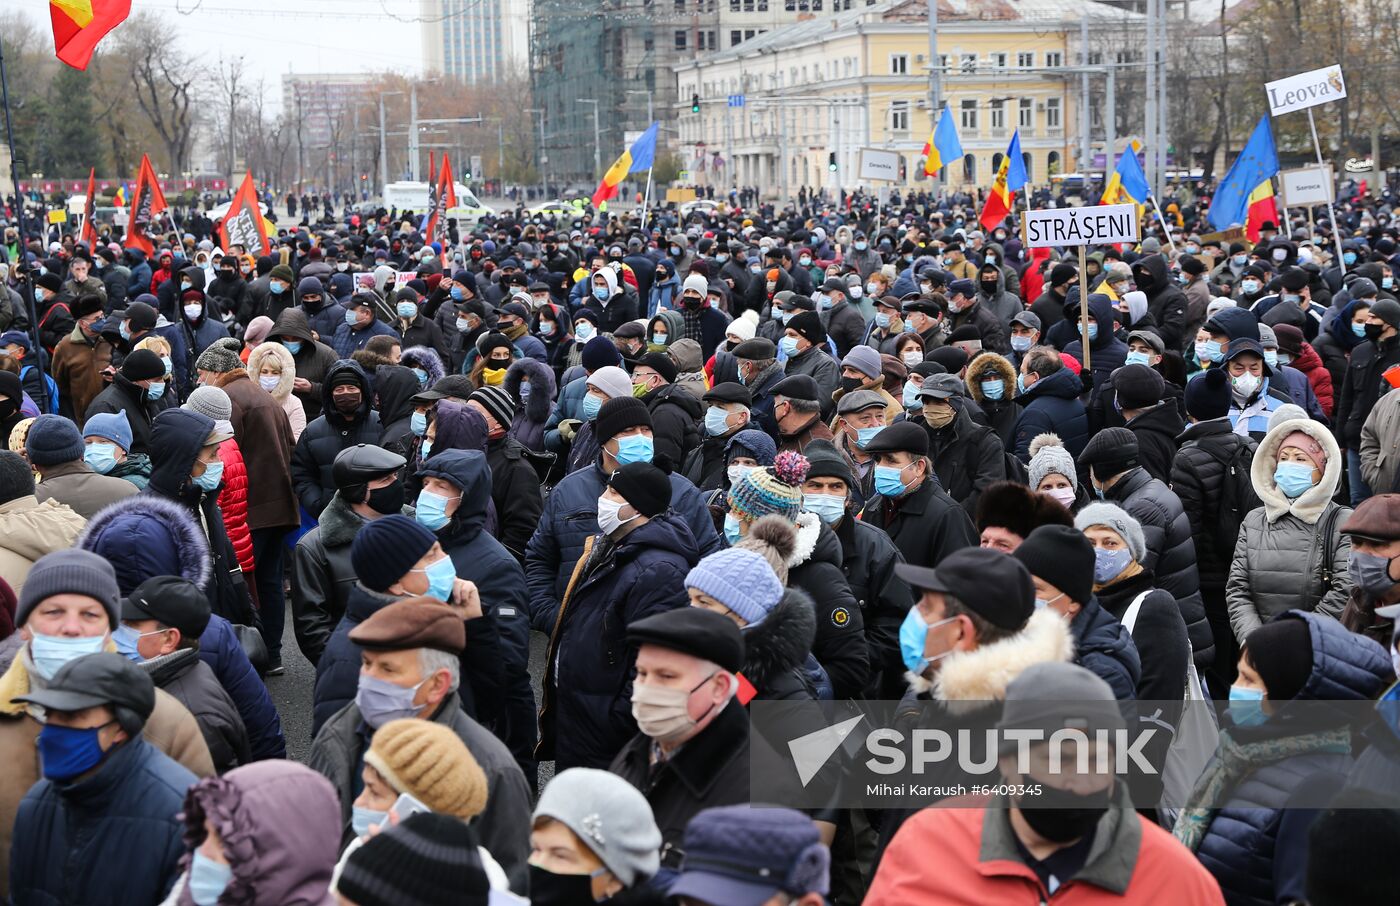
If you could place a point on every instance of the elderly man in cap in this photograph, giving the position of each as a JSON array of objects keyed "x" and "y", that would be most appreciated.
[
  {"x": 162, "y": 621},
  {"x": 138, "y": 389},
  {"x": 727, "y": 413},
  {"x": 624, "y": 430},
  {"x": 102, "y": 825},
  {"x": 81, "y": 358},
  {"x": 1374, "y": 528},
  {"x": 742, "y": 856},
  {"x": 860, "y": 417},
  {"x": 862, "y": 369},
  {"x": 967, "y": 456},
  {"x": 759, "y": 372},
  {"x": 909, "y": 505},
  {"x": 804, "y": 344},
  {"x": 925, "y": 313},
  {"x": 693, "y": 749},
  {"x": 797, "y": 410},
  {"x": 841, "y": 319},
  {"x": 1068, "y": 830},
  {"x": 409, "y": 660}
]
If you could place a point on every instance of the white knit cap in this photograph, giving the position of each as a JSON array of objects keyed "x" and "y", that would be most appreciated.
[
  {"x": 611, "y": 380},
  {"x": 697, "y": 283},
  {"x": 741, "y": 328}
]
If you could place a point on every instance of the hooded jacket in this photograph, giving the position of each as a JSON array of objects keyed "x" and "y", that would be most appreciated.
[
  {"x": 147, "y": 536},
  {"x": 1282, "y": 559},
  {"x": 330, "y": 433},
  {"x": 1165, "y": 299},
  {"x": 989, "y": 326},
  {"x": 396, "y": 385},
  {"x": 839, "y": 645},
  {"x": 586, "y": 708},
  {"x": 844, "y": 324},
  {"x": 1319, "y": 378},
  {"x": 1001, "y": 301},
  {"x": 282, "y": 393},
  {"x": 1107, "y": 353},
  {"x": 1001, "y": 414},
  {"x": 421, "y": 357},
  {"x": 663, "y": 294},
  {"x": 313, "y": 359},
  {"x": 531, "y": 384},
  {"x": 618, "y": 309},
  {"x": 675, "y": 415},
  {"x": 1051, "y": 406},
  {"x": 29, "y": 530},
  {"x": 123, "y": 396},
  {"x": 776, "y": 649},
  {"x": 1157, "y": 429},
  {"x": 967, "y": 456}
]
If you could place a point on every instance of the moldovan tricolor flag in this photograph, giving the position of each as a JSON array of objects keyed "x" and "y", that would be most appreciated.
[
  {"x": 79, "y": 24},
  {"x": 89, "y": 234},
  {"x": 243, "y": 224},
  {"x": 1011, "y": 176},
  {"x": 1247, "y": 183},
  {"x": 146, "y": 202},
  {"x": 943, "y": 146},
  {"x": 1263, "y": 208},
  {"x": 444, "y": 197},
  {"x": 638, "y": 157}
]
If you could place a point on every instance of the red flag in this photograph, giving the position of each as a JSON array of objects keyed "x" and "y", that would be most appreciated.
[
  {"x": 89, "y": 234},
  {"x": 146, "y": 202},
  {"x": 243, "y": 224},
  {"x": 444, "y": 196},
  {"x": 78, "y": 25}
]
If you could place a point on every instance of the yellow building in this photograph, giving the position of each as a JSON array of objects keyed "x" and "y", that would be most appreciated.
[{"x": 816, "y": 93}]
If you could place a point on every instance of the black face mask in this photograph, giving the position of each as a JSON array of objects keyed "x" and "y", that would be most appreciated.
[
  {"x": 989, "y": 286},
  {"x": 387, "y": 500},
  {"x": 850, "y": 384},
  {"x": 8, "y": 408},
  {"x": 550, "y": 889},
  {"x": 692, "y": 303},
  {"x": 1373, "y": 331},
  {"x": 1061, "y": 816}
]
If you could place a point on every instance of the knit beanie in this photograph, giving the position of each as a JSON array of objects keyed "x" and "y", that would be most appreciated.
[
  {"x": 751, "y": 442},
  {"x": 220, "y": 356},
  {"x": 1048, "y": 455},
  {"x": 612, "y": 380},
  {"x": 497, "y": 402},
  {"x": 53, "y": 439},
  {"x": 16, "y": 477},
  {"x": 282, "y": 272},
  {"x": 771, "y": 490},
  {"x": 1111, "y": 452},
  {"x": 387, "y": 548},
  {"x": 1138, "y": 386},
  {"x": 425, "y": 860},
  {"x": 142, "y": 365},
  {"x": 429, "y": 762},
  {"x": 825, "y": 461},
  {"x": 619, "y": 414},
  {"x": 740, "y": 327},
  {"x": 644, "y": 486},
  {"x": 1111, "y": 516},
  {"x": 741, "y": 580},
  {"x": 1208, "y": 395},
  {"x": 210, "y": 402},
  {"x": 70, "y": 572},
  {"x": 610, "y": 816},
  {"x": 1061, "y": 556},
  {"x": 598, "y": 353},
  {"x": 863, "y": 359},
  {"x": 113, "y": 426},
  {"x": 1280, "y": 651},
  {"x": 808, "y": 325}
]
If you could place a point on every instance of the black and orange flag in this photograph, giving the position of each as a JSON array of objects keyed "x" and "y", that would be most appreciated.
[
  {"x": 89, "y": 234},
  {"x": 443, "y": 197},
  {"x": 146, "y": 202},
  {"x": 243, "y": 224},
  {"x": 78, "y": 25}
]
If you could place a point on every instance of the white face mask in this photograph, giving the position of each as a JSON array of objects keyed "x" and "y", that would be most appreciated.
[
  {"x": 1064, "y": 495},
  {"x": 913, "y": 357},
  {"x": 608, "y": 519},
  {"x": 736, "y": 473},
  {"x": 662, "y": 713}
]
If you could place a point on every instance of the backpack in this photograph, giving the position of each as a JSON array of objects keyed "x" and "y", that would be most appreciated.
[
  {"x": 1237, "y": 497},
  {"x": 50, "y": 388}
]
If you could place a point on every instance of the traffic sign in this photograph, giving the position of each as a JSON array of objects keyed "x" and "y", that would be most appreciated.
[{"x": 736, "y": 100}]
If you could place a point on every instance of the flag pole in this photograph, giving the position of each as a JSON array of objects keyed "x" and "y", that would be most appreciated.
[
  {"x": 26, "y": 282},
  {"x": 646, "y": 200},
  {"x": 1163, "y": 221},
  {"x": 1331, "y": 194},
  {"x": 1084, "y": 307}
]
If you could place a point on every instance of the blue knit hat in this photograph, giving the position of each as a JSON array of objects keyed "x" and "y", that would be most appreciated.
[
  {"x": 53, "y": 439},
  {"x": 113, "y": 426},
  {"x": 740, "y": 580},
  {"x": 758, "y": 444},
  {"x": 386, "y": 549}
]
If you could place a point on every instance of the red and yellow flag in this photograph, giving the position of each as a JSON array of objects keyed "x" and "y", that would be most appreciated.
[
  {"x": 1011, "y": 177},
  {"x": 243, "y": 224},
  {"x": 89, "y": 233},
  {"x": 444, "y": 196},
  {"x": 146, "y": 201},
  {"x": 1263, "y": 208},
  {"x": 78, "y": 25}
]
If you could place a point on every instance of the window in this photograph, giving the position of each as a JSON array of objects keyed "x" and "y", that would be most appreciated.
[
  {"x": 749, "y": 33},
  {"x": 1025, "y": 60},
  {"x": 1054, "y": 59},
  {"x": 999, "y": 115},
  {"x": 648, "y": 43},
  {"x": 998, "y": 61},
  {"x": 680, "y": 6},
  {"x": 1052, "y": 113},
  {"x": 1095, "y": 116},
  {"x": 1025, "y": 115},
  {"x": 969, "y": 115},
  {"x": 899, "y": 116},
  {"x": 763, "y": 6},
  {"x": 711, "y": 39},
  {"x": 748, "y": 6},
  {"x": 1126, "y": 56},
  {"x": 968, "y": 62},
  {"x": 680, "y": 39},
  {"x": 1096, "y": 58},
  {"x": 899, "y": 63},
  {"x": 733, "y": 6},
  {"x": 735, "y": 36}
]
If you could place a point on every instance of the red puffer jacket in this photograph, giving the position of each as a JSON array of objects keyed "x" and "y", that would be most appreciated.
[
  {"x": 1310, "y": 363},
  {"x": 233, "y": 502}
]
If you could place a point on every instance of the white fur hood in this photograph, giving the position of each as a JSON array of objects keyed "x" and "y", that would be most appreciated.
[
  {"x": 984, "y": 673},
  {"x": 1311, "y": 503}
]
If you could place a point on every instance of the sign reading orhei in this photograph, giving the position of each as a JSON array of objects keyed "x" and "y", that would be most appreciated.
[{"x": 1104, "y": 224}]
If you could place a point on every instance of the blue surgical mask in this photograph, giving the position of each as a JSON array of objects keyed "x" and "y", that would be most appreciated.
[
  {"x": 425, "y": 449},
  {"x": 889, "y": 481},
  {"x": 865, "y": 435},
  {"x": 213, "y": 474},
  {"x": 715, "y": 423},
  {"x": 805, "y": 261},
  {"x": 1271, "y": 358},
  {"x": 156, "y": 390},
  {"x": 1293, "y": 478},
  {"x": 1240, "y": 260},
  {"x": 828, "y": 507},
  {"x": 456, "y": 293},
  {"x": 1135, "y": 358},
  {"x": 406, "y": 310},
  {"x": 1020, "y": 384},
  {"x": 208, "y": 879},
  {"x": 1358, "y": 329},
  {"x": 66, "y": 752},
  {"x": 1249, "y": 287},
  {"x": 1387, "y": 282},
  {"x": 882, "y": 320},
  {"x": 101, "y": 458},
  {"x": 442, "y": 575},
  {"x": 351, "y": 317},
  {"x": 908, "y": 326},
  {"x": 788, "y": 345},
  {"x": 659, "y": 339},
  {"x": 731, "y": 529},
  {"x": 994, "y": 390},
  {"x": 590, "y": 406},
  {"x": 431, "y": 510},
  {"x": 361, "y": 818},
  {"x": 126, "y": 638},
  {"x": 418, "y": 423},
  {"x": 381, "y": 701},
  {"x": 910, "y": 397},
  {"x": 1093, "y": 331},
  {"x": 1247, "y": 706},
  {"x": 546, "y": 328},
  {"x": 293, "y": 346},
  {"x": 1208, "y": 351},
  {"x": 583, "y": 331},
  {"x": 913, "y": 639},
  {"x": 862, "y": 246},
  {"x": 601, "y": 293},
  {"x": 1349, "y": 258},
  {"x": 633, "y": 448},
  {"x": 276, "y": 287},
  {"x": 122, "y": 329},
  {"x": 50, "y": 652},
  {"x": 1020, "y": 344},
  {"x": 421, "y": 375},
  {"x": 1108, "y": 565},
  {"x": 168, "y": 363}
]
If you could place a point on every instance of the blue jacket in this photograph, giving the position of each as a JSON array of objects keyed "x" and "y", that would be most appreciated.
[
  {"x": 1107, "y": 353},
  {"x": 531, "y": 347},
  {"x": 663, "y": 295},
  {"x": 1252, "y": 845},
  {"x": 570, "y": 517},
  {"x": 1299, "y": 389},
  {"x": 347, "y": 340},
  {"x": 219, "y": 648},
  {"x": 587, "y": 713},
  {"x": 1104, "y": 646},
  {"x": 114, "y": 837},
  {"x": 1052, "y": 405}
]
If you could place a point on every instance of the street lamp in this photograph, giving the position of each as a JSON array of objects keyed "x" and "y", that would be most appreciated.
[
  {"x": 597, "y": 147},
  {"x": 540, "y": 157}
]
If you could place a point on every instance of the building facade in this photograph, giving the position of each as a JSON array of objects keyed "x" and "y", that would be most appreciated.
[
  {"x": 476, "y": 41},
  {"x": 817, "y": 92}
]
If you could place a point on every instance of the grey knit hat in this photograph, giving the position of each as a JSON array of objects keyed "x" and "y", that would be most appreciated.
[
  {"x": 1114, "y": 517},
  {"x": 53, "y": 439},
  {"x": 610, "y": 816},
  {"x": 221, "y": 356},
  {"x": 1048, "y": 454},
  {"x": 210, "y": 402},
  {"x": 70, "y": 571},
  {"x": 16, "y": 477}
]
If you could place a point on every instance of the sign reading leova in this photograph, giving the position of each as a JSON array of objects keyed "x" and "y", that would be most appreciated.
[
  {"x": 1306, "y": 89},
  {"x": 1104, "y": 224}
]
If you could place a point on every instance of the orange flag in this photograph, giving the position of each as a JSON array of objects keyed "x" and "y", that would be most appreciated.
[
  {"x": 243, "y": 224},
  {"x": 78, "y": 25},
  {"x": 89, "y": 234},
  {"x": 146, "y": 202},
  {"x": 444, "y": 197}
]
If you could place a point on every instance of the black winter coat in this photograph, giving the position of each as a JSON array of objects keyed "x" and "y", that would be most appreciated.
[
  {"x": 193, "y": 683},
  {"x": 1363, "y": 385},
  {"x": 966, "y": 457},
  {"x": 705, "y": 465},
  {"x": 868, "y": 559},
  {"x": 1156, "y": 430},
  {"x": 123, "y": 396},
  {"x": 323, "y": 439},
  {"x": 1102, "y": 646},
  {"x": 675, "y": 414},
  {"x": 586, "y": 712},
  {"x": 515, "y": 489},
  {"x": 1166, "y": 301},
  {"x": 322, "y": 576},
  {"x": 1052, "y": 406},
  {"x": 925, "y": 524},
  {"x": 840, "y": 646}
]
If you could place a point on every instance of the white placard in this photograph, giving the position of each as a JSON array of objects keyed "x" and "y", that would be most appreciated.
[
  {"x": 1104, "y": 224},
  {"x": 877, "y": 164},
  {"x": 1306, "y": 186},
  {"x": 1306, "y": 89}
]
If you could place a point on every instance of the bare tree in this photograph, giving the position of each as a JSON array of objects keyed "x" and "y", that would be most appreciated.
[
  {"x": 162, "y": 79},
  {"x": 231, "y": 75}
]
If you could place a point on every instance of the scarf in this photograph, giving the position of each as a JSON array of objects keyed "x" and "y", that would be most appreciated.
[
  {"x": 515, "y": 332},
  {"x": 1232, "y": 762},
  {"x": 692, "y": 323}
]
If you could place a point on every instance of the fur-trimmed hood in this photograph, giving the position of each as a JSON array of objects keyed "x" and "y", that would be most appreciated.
[
  {"x": 782, "y": 641},
  {"x": 981, "y": 363},
  {"x": 278, "y": 353},
  {"x": 540, "y": 399},
  {"x": 813, "y": 543},
  {"x": 1311, "y": 504},
  {"x": 984, "y": 673},
  {"x": 426, "y": 359},
  {"x": 145, "y": 536}
]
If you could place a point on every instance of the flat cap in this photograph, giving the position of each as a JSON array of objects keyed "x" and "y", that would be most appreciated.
[
  {"x": 728, "y": 392},
  {"x": 759, "y": 349},
  {"x": 798, "y": 387},
  {"x": 941, "y": 387},
  {"x": 858, "y": 401},
  {"x": 105, "y": 678},
  {"x": 903, "y": 437},
  {"x": 362, "y": 463},
  {"x": 1151, "y": 338},
  {"x": 1376, "y": 519},
  {"x": 412, "y": 623},
  {"x": 691, "y": 630},
  {"x": 995, "y": 586},
  {"x": 925, "y": 305}
]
